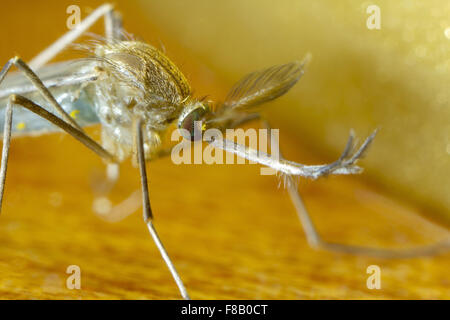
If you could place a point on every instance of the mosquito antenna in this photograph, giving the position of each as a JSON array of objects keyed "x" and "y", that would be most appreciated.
[
  {"x": 148, "y": 215},
  {"x": 341, "y": 166}
]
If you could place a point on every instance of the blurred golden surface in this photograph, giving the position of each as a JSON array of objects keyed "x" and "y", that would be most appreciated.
[{"x": 230, "y": 231}]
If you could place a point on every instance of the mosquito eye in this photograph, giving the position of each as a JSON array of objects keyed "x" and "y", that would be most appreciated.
[{"x": 192, "y": 123}]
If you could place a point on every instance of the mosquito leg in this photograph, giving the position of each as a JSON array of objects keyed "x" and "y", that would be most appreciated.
[
  {"x": 74, "y": 132},
  {"x": 104, "y": 208},
  {"x": 316, "y": 241},
  {"x": 23, "y": 67},
  {"x": 17, "y": 100},
  {"x": 148, "y": 215},
  {"x": 5, "y": 149},
  {"x": 102, "y": 205},
  {"x": 112, "y": 23}
]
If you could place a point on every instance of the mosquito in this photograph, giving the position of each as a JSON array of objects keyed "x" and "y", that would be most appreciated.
[{"x": 137, "y": 94}]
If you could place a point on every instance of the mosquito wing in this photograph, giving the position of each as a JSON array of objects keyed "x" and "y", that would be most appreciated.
[
  {"x": 263, "y": 86},
  {"x": 67, "y": 81}
]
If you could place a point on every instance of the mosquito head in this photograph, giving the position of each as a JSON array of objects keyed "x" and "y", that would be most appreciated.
[{"x": 192, "y": 120}]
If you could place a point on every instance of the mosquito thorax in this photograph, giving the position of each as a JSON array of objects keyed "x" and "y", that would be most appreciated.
[
  {"x": 191, "y": 120},
  {"x": 144, "y": 69}
]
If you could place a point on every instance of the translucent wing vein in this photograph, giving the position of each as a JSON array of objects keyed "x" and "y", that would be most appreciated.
[{"x": 265, "y": 85}]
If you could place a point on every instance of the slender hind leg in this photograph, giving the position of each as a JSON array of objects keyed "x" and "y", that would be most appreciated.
[
  {"x": 316, "y": 241},
  {"x": 17, "y": 100},
  {"x": 148, "y": 215},
  {"x": 113, "y": 30}
]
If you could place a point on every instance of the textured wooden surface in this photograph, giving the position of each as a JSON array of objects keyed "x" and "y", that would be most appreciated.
[{"x": 231, "y": 232}]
